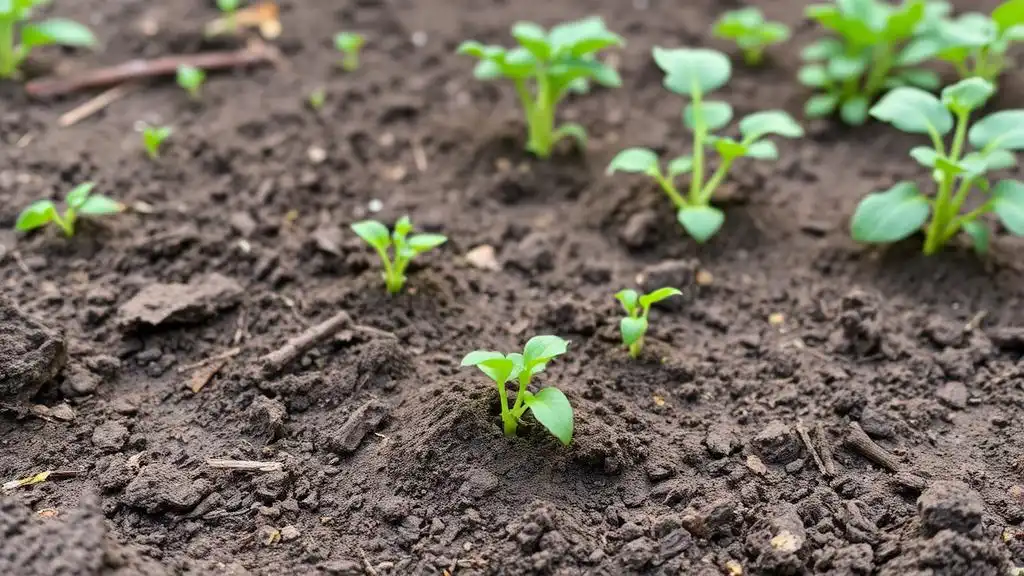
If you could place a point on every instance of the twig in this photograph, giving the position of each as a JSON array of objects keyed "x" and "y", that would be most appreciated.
[
  {"x": 976, "y": 321},
  {"x": 366, "y": 562},
  {"x": 826, "y": 451},
  {"x": 299, "y": 345},
  {"x": 202, "y": 376},
  {"x": 866, "y": 447},
  {"x": 810, "y": 447},
  {"x": 244, "y": 465},
  {"x": 222, "y": 356},
  {"x": 94, "y": 105}
]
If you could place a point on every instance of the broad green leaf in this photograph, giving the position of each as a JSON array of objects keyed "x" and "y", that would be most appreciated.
[
  {"x": 1013, "y": 33},
  {"x": 813, "y": 75},
  {"x": 517, "y": 362},
  {"x": 902, "y": 22},
  {"x": 487, "y": 70},
  {"x": 1008, "y": 197},
  {"x": 994, "y": 160},
  {"x": 821, "y": 105},
  {"x": 762, "y": 150},
  {"x": 739, "y": 23},
  {"x": 402, "y": 227},
  {"x": 493, "y": 364},
  {"x": 687, "y": 69},
  {"x": 1003, "y": 130},
  {"x": 76, "y": 197},
  {"x": 729, "y": 148},
  {"x": 917, "y": 51},
  {"x": 924, "y": 79},
  {"x": 715, "y": 115},
  {"x": 854, "y": 111},
  {"x": 774, "y": 32},
  {"x": 845, "y": 67},
  {"x": 552, "y": 409},
  {"x": 477, "y": 356},
  {"x": 883, "y": 217},
  {"x": 38, "y": 213},
  {"x": 828, "y": 15},
  {"x": 979, "y": 235},
  {"x": 99, "y": 205},
  {"x": 822, "y": 49},
  {"x": 1009, "y": 14},
  {"x": 374, "y": 233},
  {"x": 543, "y": 349},
  {"x": 971, "y": 30},
  {"x": 582, "y": 37},
  {"x": 533, "y": 38},
  {"x": 632, "y": 329},
  {"x": 518, "y": 63},
  {"x": 348, "y": 42},
  {"x": 947, "y": 166},
  {"x": 423, "y": 242},
  {"x": 924, "y": 155},
  {"x": 968, "y": 94},
  {"x": 759, "y": 124},
  {"x": 628, "y": 298},
  {"x": 637, "y": 160},
  {"x": 574, "y": 131},
  {"x": 680, "y": 165},
  {"x": 56, "y": 31},
  {"x": 913, "y": 110},
  {"x": 658, "y": 295},
  {"x": 701, "y": 222},
  {"x": 472, "y": 48}
]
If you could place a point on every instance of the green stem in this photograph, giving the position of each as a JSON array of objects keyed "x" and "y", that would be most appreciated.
[
  {"x": 715, "y": 181},
  {"x": 8, "y": 59},
  {"x": 942, "y": 215},
  {"x": 881, "y": 65},
  {"x": 508, "y": 422},
  {"x": 699, "y": 133},
  {"x": 389, "y": 275},
  {"x": 67, "y": 223},
  {"x": 969, "y": 217},
  {"x": 753, "y": 56},
  {"x": 636, "y": 347},
  {"x": 671, "y": 191},
  {"x": 542, "y": 119}
]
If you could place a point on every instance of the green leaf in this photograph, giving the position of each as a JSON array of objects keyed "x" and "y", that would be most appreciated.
[
  {"x": 813, "y": 75},
  {"x": 924, "y": 155},
  {"x": 1008, "y": 198},
  {"x": 924, "y": 79},
  {"x": 478, "y": 50},
  {"x": 993, "y": 160},
  {"x": 729, "y": 148},
  {"x": 762, "y": 150},
  {"x": 854, "y": 111},
  {"x": 374, "y": 233},
  {"x": 947, "y": 166},
  {"x": 821, "y": 105},
  {"x": 845, "y": 67},
  {"x": 422, "y": 242},
  {"x": 1003, "y": 130},
  {"x": 1009, "y": 14},
  {"x": 636, "y": 160},
  {"x": 518, "y": 63},
  {"x": 774, "y": 32},
  {"x": 76, "y": 197},
  {"x": 883, "y": 217},
  {"x": 493, "y": 364},
  {"x": 477, "y": 356},
  {"x": 628, "y": 298},
  {"x": 687, "y": 69},
  {"x": 917, "y": 51},
  {"x": 715, "y": 114},
  {"x": 56, "y": 31},
  {"x": 533, "y": 38},
  {"x": 701, "y": 222},
  {"x": 757, "y": 125},
  {"x": 970, "y": 31},
  {"x": 582, "y": 37},
  {"x": 739, "y": 23},
  {"x": 968, "y": 94},
  {"x": 543, "y": 349},
  {"x": 99, "y": 205},
  {"x": 348, "y": 42},
  {"x": 913, "y": 110},
  {"x": 487, "y": 70},
  {"x": 574, "y": 131},
  {"x": 38, "y": 213},
  {"x": 680, "y": 165},
  {"x": 658, "y": 295},
  {"x": 979, "y": 235},
  {"x": 902, "y": 23},
  {"x": 822, "y": 49},
  {"x": 552, "y": 409},
  {"x": 632, "y": 329}
]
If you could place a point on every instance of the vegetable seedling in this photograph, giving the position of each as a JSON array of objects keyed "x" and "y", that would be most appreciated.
[
  {"x": 695, "y": 72},
  {"x": 545, "y": 67},
  {"x": 405, "y": 247},
  {"x": 80, "y": 201},
  {"x": 976, "y": 44},
  {"x": 899, "y": 212},
  {"x": 634, "y": 326},
  {"x": 16, "y": 46},
  {"x": 191, "y": 80},
  {"x": 751, "y": 32},
  {"x": 153, "y": 138},
  {"x": 549, "y": 405},
  {"x": 317, "y": 98},
  {"x": 229, "y": 8},
  {"x": 876, "y": 47},
  {"x": 350, "y": 45}
]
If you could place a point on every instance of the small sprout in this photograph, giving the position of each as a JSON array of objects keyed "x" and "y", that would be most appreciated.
[
  {"x": 153, "y": 138},
  {"x": 191, "y": 80},
  {"x": 14, "y": 25},
  {"x": 229, "y": 8},
  {"x": 901, "y": 211},
  {"x": 545, "y": 68},
  {"x": 405, "y": 247},
  {"x": 80, "y": 201},
  {"x": 748, "y": 28},
  {"x": 349, "y": 44},
  {"x": 695, "y": 72},
  {"x": 549, "y": 405},
  {"x": 317, "y": 98},
  {"x": 634, "y": 325},
  {"x": 976, "y": 44}
]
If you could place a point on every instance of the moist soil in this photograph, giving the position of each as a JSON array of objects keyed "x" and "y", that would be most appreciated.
[{"x": 392, "y": 461}]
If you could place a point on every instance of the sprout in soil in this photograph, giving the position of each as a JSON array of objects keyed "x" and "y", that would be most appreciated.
[
  {"x": 549, "y": 405},
  {"x": 229, "y": 8},
  {"x": 317, "y": 98},
  {"x": 752, "y": 34},
  {"x": 405, "y": 247},
  {"x": 153, "y": 138},
  {"x": 695, "y": 72},
  {"x": 349, "y": 44},
  {"x": 191, "y": 80},
  {"x": 899, "y": 212},
  {"x": 545, "y": 68},
  {"x": 18, "y": 36},
  {"x": 80, "y": 201},
  {"x": 634, "y": 325},
  {"x": 876, "y": 47},
  {"x": 976, "y": 44}
]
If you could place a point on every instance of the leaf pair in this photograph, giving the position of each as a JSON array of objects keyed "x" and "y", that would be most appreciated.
[
  {"x": 634, "y": 326},
  {"x": 405, "y": 247},
  {"x": 55, "y": 31},
  {"x": 751, "y": 32},
  {"x": 153, "y": 138},
  {"x": 350, "y": 44},
  {"x": 191, "y": 80},
  {"x": 976, "y": 44},
  {"x": 80, "y": 201}
]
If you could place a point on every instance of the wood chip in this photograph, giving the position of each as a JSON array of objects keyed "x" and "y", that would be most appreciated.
[{"x": 244, "y": 465}]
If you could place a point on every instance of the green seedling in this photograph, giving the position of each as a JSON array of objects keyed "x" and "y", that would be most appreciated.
[
  {"x": 695, "y": 72},
  {"x": 153, "y": 138},
  {"x": 751, "y": 32},
  {"x": 901, "y": 211},
  {"x": 877, "y": 47},
  {"x": 229, "y": 8},
  {"x": 18, "y": 36},
  {"x": 350, "y": 45},
  {"x": 549, "y": 405},
  {"x": 545, "y": 68},
  {"x": 976, "y": 44},
  {"x": 80, "y": 201},
  {"x": 634, "y": 325},
  {"x": 191, "y": 80},
  {"x": 317, "y": 98},
  {"x": 405, "y": 247}
]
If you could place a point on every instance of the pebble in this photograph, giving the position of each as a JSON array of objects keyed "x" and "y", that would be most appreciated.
[
  {"x": 109, "y": 436},
  {"x": 953, "y": 394}
]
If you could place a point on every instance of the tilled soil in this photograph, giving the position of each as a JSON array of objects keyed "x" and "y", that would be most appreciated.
[{"x": 691, "y": 460}]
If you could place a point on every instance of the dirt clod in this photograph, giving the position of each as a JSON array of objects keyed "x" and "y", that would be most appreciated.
[
  {"x": 159, "y": 305},
  {"x": 366, "y": 419},
  {"x": 949, "y": 505},
  {"x": 776, "y": 443},
  {"x": 31, "y": 353}
]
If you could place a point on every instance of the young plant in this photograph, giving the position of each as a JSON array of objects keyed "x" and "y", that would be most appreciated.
[
  {"x": 405, "y": 247},
  {"x": 349, "y": 44},
  {"x": 545, "y": 67},
  {"x": 18, "y": 37},
  {"x": 877, "y": 47},
  {"x": 976, "y": 44},
  {"x": 695, "y": 72},
  {"x": 549, "y": 405},
  {"x": 901, "y": 211},
  {"x": 751, "y": 32},
  {"x": 80, "y": 201},
  {"x": 153, "y": 137},
  {"x": 317, "y": 98},
  {"x": 634, "y": 325},
  {"x": 191, "y": 80},
  {"x": 229, "y": 8}
]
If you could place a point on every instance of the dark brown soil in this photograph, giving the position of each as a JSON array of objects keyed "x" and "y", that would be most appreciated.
[{"x": 687, "y": 462}]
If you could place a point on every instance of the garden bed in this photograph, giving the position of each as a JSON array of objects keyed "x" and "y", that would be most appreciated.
[{"x": 688, "y": 461}]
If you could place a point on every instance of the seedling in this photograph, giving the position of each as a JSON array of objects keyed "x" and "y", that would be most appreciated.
[
  {"x": 877, "y": 47},
  {"x": 80, "y": 201},
  {"x": 751, "y": 32},
  {"x": 695, "y": 72},
  {"x": 350, "y": 45},
  {"x": 976, "y": 44},
  {"x": 191, "y": 80},
  {"x": 153, "y": 137},
  {"x": 55, "y": 31},
  {"x": 229, "y": 8},
  {"x": 899, "y": 212},
  {"x": 549, "y": 405},
  {"x": 545, "y": 67},
  {"x": 317, "y": 98},
  {"x": 405, "y": 247},
  {"x": 634, "y": 325}
]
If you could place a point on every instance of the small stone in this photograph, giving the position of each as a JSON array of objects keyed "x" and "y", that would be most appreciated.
[
  {"x": 289, "y": 533},
  {"x": 483, "y": 257},
  {"x": 62, "y": 412},
  {"x": 949, "y": 505},
  {"x": 795, "y": 466},
  {"x": 266, "y": 419},
  {"x": 78, "y": 381},
  {"x": 328, "y": 238},
  {"x": 242, "y": 223},
  {"x": 953, "y": 394},
  {"x": 316, "y": 155},
  {"x": 678, "y": 274},
  {"x": 479, "y": 483},
  {"x": 109, "y": 436},
  {"x": 776, "y": 443},
  {"x": 755, "y": 465},
  {"x": 704, "y": 278},
  {"x": 721, "y": 440},
  {"x": 640, "y": 230},
  {"x": 776, "y": 319},
  {"x": 534, "y": 253},
  {"x": 363, "y": 421}
]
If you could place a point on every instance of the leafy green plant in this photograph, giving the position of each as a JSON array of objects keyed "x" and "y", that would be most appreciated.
[
  {"x": 229, "y": 8},
  {"x": 549, "y": 405},
  {"x": 901, "y": 211},
  {"x": 695, "y": 72},
  {"x": 191, "y": 80},
  {"x": 405, "y": 247},
  {"x": 976, "y": 44},
  {"x": 634, "y": 326},
  {"x": 350, "y": 45},
  {"x": 18, "y": 36},
  {"x": 876, "y": 47},
  {"x": 545, "y": 67},
  {"x": 751, "y": 32},
  {"x": 153, "y": 138},
  {"x": 80, "y": 201}
]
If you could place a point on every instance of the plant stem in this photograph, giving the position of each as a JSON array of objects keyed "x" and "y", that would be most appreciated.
[
  {"x": 753, "y": 56},
  {"x": 8, "y": 63},
  {"x": 389, "y": 274},
  {"x": 715, "y": 180},
  {"x": 542, "y": 120},
  {"x": 508, "y": 422},
  {"x": 942, "y": 215},
  {"x": 699, "y": 133},
  {"x": 636, "y": 347},
  {"x": 671, "y": 190},
  {"x": 881, "y": 64}
]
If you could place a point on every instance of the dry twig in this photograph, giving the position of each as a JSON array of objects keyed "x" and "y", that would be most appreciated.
[
  {"x": 299, "y": 345},
  {"x": 94, "y": 105},
  {"x": 244, "y": 465},
  {"x": 861, "y": 443},
  {"x": 826, "y": 451},
  {"x": 810, "y": 447}
]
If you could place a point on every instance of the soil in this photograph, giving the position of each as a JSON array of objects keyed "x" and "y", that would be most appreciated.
[{"x": 392, "y": 460}]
